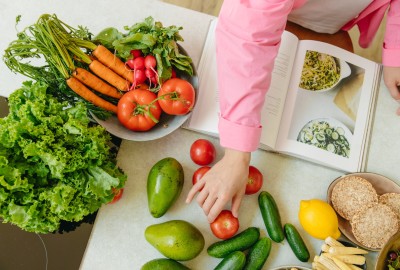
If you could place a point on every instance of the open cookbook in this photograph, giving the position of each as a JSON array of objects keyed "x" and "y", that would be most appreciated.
[{"x": 319, "y": 106}]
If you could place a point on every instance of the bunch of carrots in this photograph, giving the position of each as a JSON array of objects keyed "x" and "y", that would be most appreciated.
[{"x": 87, "y": 68}]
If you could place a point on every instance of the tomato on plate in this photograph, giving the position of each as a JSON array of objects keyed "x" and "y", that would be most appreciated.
[
  {"x": 117, "y": 195},
  {"x": 202, "y": 152},
  {"x": 199, "y": 173},
  {"x": 176, "y": 96},
  {"x": 254, "y": 181},
  {"x": 225, "y": 225},
  {"x": 138, "y": 110}
]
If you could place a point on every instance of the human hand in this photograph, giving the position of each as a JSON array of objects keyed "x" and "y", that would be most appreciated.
[
  {"x": 224, "y": 182},
  {"x": 391, "y": 77}
]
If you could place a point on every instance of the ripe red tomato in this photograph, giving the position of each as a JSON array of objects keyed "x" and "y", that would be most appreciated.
[
  {"x": 134, "y": 111},
  {"x": 225, "y": 225},
  {"x": 118, "y": 194},
  {"x": 199, "y": 173},
  {"x": 176, "y": 96},
  {"x": 254, "y": 181},
  {"x": 202, "y": 152}
]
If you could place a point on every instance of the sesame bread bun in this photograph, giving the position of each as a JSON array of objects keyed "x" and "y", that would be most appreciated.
[
  {"x": 351, "y": 195},
  {"x": 373, "y": 226},
  {"x": 392, "y": 200}
]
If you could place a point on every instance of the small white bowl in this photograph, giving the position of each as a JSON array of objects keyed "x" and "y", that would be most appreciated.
[{"x": 345, "y": 71}]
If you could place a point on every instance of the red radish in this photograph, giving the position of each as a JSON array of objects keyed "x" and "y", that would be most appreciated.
[
  {"x": 173, "y": 73},
  {"x": 138, "y": 63},
  {"x": 140, "y": 76},
  {"x": 150, "y": 62},
  {"x": 136, "y": 53},
  {"x": 130, "y": 64},
  {"x": 154, "y": 80},
  {"x": 149, "y": 73}
]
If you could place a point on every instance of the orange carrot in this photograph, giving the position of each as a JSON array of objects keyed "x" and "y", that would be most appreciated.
[
  {"x": 94, "y": 82},
  {"x": 108, "y": 75},
  {"x": 110, "y": 60},
  {"x": 88, "y": 95}
]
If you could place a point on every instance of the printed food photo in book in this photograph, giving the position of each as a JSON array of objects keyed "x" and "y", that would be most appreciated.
[{"x": 327, "y": 103}]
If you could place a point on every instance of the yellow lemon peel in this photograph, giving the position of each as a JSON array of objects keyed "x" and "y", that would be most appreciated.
[{"x": 319, "y": 219}]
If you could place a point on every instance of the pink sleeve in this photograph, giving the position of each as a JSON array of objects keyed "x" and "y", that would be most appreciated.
[
  {"x": 248, "y": 36},
  {"x": 391, "y": 46}
]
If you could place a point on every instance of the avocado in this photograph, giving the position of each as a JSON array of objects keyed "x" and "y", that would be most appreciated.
[
  {"x": 163, "y": 264},
  {"x": 176, "y": 239},
  {"x": 164, "y": 185}
]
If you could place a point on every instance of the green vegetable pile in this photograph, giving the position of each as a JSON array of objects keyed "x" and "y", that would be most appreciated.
[
  {"x": 49, "y": 51},
  {"x": 151, "y": 37},
  {"x": 54, "y": 166}
]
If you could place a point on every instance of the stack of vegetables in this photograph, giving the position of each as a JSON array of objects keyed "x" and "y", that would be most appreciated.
[
  {"x": 94, "y": 70},
  {"x": 54, "y": 166},
  {"x": 62, "y": 48}
]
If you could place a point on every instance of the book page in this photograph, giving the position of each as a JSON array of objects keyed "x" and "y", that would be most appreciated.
[
  {"x": 205, "y": 114},
  {"x": 328, "y": 106},
  {"x": 275, "y": 99}
]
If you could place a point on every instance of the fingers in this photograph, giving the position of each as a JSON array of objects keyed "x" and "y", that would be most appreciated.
[
  {"x": 196, "y": 188},
  {"x": 211, "y": 203},
  {"x": 236, "y": 201},
  {"x": 208, "y": 203},
  {"x": 216, "y": 209},
  {"x": 394, "y": 91}
]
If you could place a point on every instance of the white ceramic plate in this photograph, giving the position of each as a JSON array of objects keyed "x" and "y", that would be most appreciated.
[
  {"x": 381, "y": 184},
  {"x": 308, "y": 136},
  {"x": 166, "y": 125}
]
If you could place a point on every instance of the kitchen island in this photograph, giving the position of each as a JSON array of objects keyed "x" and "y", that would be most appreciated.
[{"x": 117, "y": 239}]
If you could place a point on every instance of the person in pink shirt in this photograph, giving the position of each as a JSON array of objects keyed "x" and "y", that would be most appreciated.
[{"x": 248, "y": 36}]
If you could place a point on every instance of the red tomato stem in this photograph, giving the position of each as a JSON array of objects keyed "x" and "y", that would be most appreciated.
[
  {"x": 144, "y": 109},
  {"x": 173, "y": 96}
]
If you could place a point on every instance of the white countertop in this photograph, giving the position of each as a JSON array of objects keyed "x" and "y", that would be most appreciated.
[{"x": 117, "y": 240}]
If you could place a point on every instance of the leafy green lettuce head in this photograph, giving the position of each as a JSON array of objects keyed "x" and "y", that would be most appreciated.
[{"x": 54, "y": 165}]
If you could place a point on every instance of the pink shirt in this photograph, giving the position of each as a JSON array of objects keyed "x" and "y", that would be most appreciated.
[{"x": 248, "y": 36}]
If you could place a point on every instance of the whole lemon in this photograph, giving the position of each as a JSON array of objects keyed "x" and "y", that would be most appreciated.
[{"x": 318, "y": 219}]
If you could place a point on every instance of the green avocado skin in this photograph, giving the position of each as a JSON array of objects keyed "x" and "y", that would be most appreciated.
[
  {"x": 163, "y": 264},
  {"x": 178, "y": 240},
  {"x": 164, "y": 185}
]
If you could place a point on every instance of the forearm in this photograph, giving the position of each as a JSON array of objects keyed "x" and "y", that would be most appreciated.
[
  {"x": 236, "y": 156},
  {"x": 248, "y": 37}
]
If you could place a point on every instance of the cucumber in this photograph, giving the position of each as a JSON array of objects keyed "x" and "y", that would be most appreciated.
[
  {"x": 258, "y": 254},
  {"x": 163, "y": 264},
  {"x": 270, "y": 214},
  {"x": 296, "y": 242},
  {"x": 239, "y": 242},
  {"x": 234, "y": 261}
]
